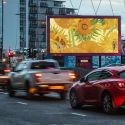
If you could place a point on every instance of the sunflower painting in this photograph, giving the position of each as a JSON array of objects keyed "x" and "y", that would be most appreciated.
[{"x": 84, "y": 35}]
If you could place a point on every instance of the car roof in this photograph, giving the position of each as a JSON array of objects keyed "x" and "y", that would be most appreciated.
[
  {"x": 114, "y": 64},
  {"x": 31, "y": 61},
  {"x": 112, "y": 69}
]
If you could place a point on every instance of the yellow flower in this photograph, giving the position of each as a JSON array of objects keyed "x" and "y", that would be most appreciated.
[
  {"x": 109, "y": 23},
  {"x": 84, "y": 27},
  {"x": 90, "y": 47},
  {"x": 58, "y": 42},
  {"x": 110, "y": 42},
  {"x": 65, "y": 23}
]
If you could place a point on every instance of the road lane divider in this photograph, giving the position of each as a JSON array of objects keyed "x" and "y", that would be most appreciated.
[
  {"x": 22, "y": 103},
  {"x": 78, "y": 114}
]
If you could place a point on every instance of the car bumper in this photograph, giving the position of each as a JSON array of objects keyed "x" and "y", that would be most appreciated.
[
  {"x": 3, "y": 80},
  {"x": 46, "y": 88},
  {"x": 119, "y": 98}
]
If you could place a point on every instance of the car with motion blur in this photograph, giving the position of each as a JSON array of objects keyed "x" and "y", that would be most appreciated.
[
  {"x": 4, "y": 70},
  {"x": 40, "y": 77},
  {"x": 103, "y": 87}
]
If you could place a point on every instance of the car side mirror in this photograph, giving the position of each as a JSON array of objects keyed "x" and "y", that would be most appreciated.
[{"x": 82, "y": 79}]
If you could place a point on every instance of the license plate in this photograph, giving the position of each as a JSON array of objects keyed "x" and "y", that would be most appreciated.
[{"x": 56, "y": 87}]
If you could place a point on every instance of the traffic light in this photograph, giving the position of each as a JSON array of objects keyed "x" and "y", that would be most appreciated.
[
  {"x": 29, "y": 53},
  {"x": 34, "y": 54},
  {"x": 10, "y": 54}
]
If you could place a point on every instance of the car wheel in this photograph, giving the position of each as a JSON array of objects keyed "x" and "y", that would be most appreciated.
[
  {"x": 74, "y": 100},
  {"x": 11, "y": 91},
  {"x": 107, "y": 104},
  {"x": 41, "y": 94},
  {"x": 63, "y": 95},
  {"x": 29, "y": 95}
]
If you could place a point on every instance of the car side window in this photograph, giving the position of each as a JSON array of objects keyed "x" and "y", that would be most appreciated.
[
  {"x": 20, "y": 67},
  {"x": 93, "y": 76},
  {"x": 122, "y": 74},
  {"x": 105, "y": 75},
  {"x": 42, "y": 65}
]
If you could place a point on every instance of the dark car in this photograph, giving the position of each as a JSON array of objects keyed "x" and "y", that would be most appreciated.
[
  {"x": 4, "y": 70},
  {"x": 103, "y": 87}
]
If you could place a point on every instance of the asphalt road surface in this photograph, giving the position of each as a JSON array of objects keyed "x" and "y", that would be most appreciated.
[{"x": 50, "y": 110}]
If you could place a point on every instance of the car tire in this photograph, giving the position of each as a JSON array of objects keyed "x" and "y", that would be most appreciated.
[
  {"x": 63, "y": 95},
  {"x": 11, "y": 91},
  {"x": 107, "y": 104},
  {"x": 41, "y": 94},
  {"x": 29, "y": 95},
  {"x": 74, "y": 102}
]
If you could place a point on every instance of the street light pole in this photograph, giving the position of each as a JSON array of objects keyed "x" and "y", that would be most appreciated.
[{"x": 2, "y": 31}]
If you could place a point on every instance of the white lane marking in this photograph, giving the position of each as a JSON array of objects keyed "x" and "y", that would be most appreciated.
[
  {"x": 5, "y": 93},
  {"x": 78, "y": 114},
  {"x": 22, "y": 103}
]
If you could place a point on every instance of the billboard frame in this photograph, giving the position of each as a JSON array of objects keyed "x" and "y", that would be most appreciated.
[{"x": 81, "y": 16}]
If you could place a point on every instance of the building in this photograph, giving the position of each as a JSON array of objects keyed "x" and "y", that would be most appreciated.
[
  {"x": 22, "y": 15},
  {"x": 33, "y": 32},
  {"x": 35, "y": 27}
]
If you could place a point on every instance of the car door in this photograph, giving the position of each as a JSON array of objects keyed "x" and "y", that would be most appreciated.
[
  {"x": 17, "y": 76},
  {"x": 22, "y": 74},
  {"x": 90, "y": 87}
]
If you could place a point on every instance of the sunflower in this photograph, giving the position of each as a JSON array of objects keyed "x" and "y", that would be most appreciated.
[
  {"x": 110, "y": 42},
  {"x": 85, "y": 27},
  {"x": 90, "y": 47},
  {"x": 65, "y": 23},
  {"x": 58, "y": 42},
  {"x": 110, "y": 23},
  {"x": 85, "y": 47}
]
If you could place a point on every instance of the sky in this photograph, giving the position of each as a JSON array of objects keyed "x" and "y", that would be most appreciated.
[
  {"x": 87, "y": 7},
  {"x": 11, "y": 24}
]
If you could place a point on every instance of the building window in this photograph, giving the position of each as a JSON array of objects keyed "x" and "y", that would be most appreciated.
[
  {"x": 43, "y": 4},
  {"x": 62, "y": 11},
  {"x": 57, "y": 3},
  {"x": 49, "y": 11},
  {"x": 43, "y": 23}
]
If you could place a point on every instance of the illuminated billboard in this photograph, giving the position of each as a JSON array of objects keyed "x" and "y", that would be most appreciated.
[{"x": 88, "y": 35}]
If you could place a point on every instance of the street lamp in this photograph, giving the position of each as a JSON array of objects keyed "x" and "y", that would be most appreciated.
[
  {"x": 2, "y": 19},
  {"x": 1, "y": 44}
]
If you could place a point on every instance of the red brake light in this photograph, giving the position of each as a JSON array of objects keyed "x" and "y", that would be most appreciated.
[
  {"x": 38, "y": 77},
  {"x": 38, "y": 74},
  {"x": 7, "y": 70},
  {"x": 72, "y": 75},
  {"x": 121, "y": 84}
]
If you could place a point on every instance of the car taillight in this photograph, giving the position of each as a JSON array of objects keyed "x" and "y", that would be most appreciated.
[
  {"x": 72, "y": 75},
  {"x": 121, "y": 84},
  {"x": 7, "y": 70},
  {"x": 38, "y": 77}
]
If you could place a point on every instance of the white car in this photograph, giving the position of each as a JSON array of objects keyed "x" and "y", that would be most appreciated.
[{"x": 41, "y": 77}]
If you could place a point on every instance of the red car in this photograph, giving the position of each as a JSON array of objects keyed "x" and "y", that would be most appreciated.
[{"x": 103, "y": 87}]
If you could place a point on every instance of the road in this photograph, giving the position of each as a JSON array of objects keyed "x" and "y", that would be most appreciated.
[{"x": 50, "y": 110}]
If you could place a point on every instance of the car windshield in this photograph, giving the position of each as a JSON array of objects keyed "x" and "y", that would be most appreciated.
[{"x": 42, "y": 65}]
